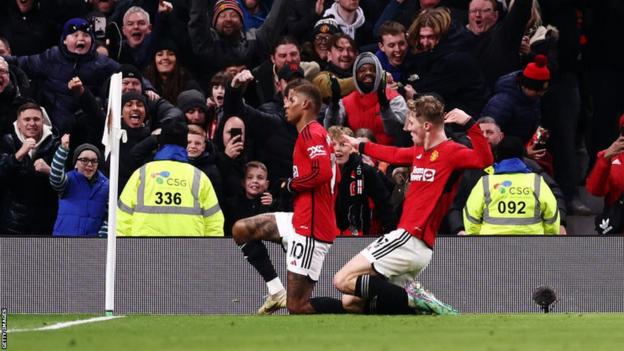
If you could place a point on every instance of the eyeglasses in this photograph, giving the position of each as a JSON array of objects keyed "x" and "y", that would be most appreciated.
[
  {"x": 322, "y": 38},
  {"x": 87, "y": 161},
  {"x": 480, "y": 11}
]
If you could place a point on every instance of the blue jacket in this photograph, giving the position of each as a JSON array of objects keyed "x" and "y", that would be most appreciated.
[
  {"x": 54, "y": 68},
  {"x": 82, "y": 208},
  {"x": 514, "y": 112}
]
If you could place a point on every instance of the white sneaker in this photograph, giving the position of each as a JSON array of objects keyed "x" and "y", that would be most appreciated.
[{"x": 273, "y": 303}]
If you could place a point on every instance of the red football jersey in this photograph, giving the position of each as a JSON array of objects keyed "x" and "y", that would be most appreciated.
[
  {"x": 315, "y": 176},
  {"x": 433, "y": 179}
]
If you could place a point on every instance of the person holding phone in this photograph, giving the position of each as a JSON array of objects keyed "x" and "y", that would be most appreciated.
[{"x": 231, "y": 157}]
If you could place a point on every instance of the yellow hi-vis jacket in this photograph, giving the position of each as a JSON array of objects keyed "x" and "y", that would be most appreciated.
[
  {"x": 514, "y": 203},
  {"x": 169, "y": 198}
]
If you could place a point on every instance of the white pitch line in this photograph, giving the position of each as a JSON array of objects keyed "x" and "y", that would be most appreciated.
[{"x": 66, "y": 324}]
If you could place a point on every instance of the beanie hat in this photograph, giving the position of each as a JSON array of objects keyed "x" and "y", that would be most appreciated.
[
  {"x": 363, "y": 59},
  {"x": 536, "y": 74},
  {"x": 86, "y": 146},
  {"x": 75, "y": 24},
  {"x": 290, "y": 71},
  {"x": 166, "y": 43},
  {"x": 223, "y": 5},
  {"x": 509, "y": 147},
  {"x": 131, "y": 95},
  {"x": 129, "y": 71},
  {"x": 174, "y": 132},
  {"x": 326, "y": 25},
  {"x": 189, "y": 99}
]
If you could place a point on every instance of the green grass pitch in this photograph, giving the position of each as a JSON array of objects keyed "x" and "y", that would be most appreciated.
[{"x": 522, "y": 332}]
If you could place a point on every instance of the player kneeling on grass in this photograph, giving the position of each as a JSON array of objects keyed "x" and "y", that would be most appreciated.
[
  {"x": 382, "y": 278},
  {"x": 308, "y": 232}
]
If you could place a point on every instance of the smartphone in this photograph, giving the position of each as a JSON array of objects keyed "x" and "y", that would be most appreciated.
[
  {"x": 235, "y": 132},
  {"x": 99, "y": 27},
  {"x": 539, "y": 146}
]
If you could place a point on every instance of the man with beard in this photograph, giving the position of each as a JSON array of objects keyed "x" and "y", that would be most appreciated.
[{"x": 373, "y": 105}]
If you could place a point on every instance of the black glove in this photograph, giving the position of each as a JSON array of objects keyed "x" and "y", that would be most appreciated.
[
  {"x": 336, "y": 93},
  {"x": 381, "y": 92}
]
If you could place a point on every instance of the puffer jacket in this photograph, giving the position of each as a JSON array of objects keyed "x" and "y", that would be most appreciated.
[{"x": 514, "y": 112}]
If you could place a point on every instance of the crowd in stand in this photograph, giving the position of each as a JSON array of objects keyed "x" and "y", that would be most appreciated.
[{"x": 542, "y": 75}]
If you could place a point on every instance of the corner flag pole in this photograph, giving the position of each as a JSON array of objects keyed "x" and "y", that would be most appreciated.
[{"x": 112, "y": 134}]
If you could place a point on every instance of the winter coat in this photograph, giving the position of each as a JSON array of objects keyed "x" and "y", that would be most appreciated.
[
  {"x": 54, "y": 68},
  {"x": 28, "y": 33},
  {"x": 514, "y": 112},
  {"x": 28, "y": 202},
  {"x": 251, "y": 47},
  {"x": 82, "y": 207}
]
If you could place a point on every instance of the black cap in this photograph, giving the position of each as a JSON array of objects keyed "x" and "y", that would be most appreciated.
[
  {"x": 174, "y": 132},
  {"x": 509, "y": 147},
  {"x": 129, "y": 71}
]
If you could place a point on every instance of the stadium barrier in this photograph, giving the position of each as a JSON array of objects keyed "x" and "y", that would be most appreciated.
[{"x": 196, "y": 276}]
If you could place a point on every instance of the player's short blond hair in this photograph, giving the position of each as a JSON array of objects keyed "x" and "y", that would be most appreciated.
[{"x": 428, "y": 108}]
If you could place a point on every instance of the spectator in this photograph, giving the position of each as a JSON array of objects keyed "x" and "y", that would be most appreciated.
[
  {"x": 373, "y": 105},
  {"x": 363, "y": 201},
  {"x": 251, "y": 198},
  {"x": 232, "y": 149},
  {"x": 12, "y": 84},
  {"x": 392, "y": 50},
  {"x": 202, "y": 155},
  {"x": 607, "y": 177},
  {"x": 300, "y": 18},
  {"x": 193, "y": 104},
  {"x": 516, "y": 104},
  {"x": 350, "y": 18},
  {"x": 28, "y": 202},
  {"x": 513, "y": 200},
  {"x": 133, "y": 116},
  {"x": 224, "y": 39},
  {"x": 140, "y": 38},
  {"x": 439, "y": 67},
  {"x": 495, "y": 46},
  {"x": 318, "y": 48},
  {"x": 167, "y": 74},
  {"x": 83, "y": 192},
  {"x": 54, "y": 68},
  {"x": 5, "y": 47},
  {"x": 340, "y": 57},
  {"x": 168, "y": 196},
  {"x": 28, "y": 26}
]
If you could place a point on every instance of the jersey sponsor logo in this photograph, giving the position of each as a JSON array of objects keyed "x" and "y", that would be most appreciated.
[
  {"x": 316, "y": 151},
  {"x": 434, "y": 155},
  {"x": 420, "y": 174},
  {"x": 164, "y": 177},
  {"x": 506, "y": 187},
  {"x": 616, "y": 162}
]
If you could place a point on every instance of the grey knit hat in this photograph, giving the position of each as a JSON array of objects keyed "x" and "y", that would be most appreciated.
[{"x": 86, "y": 146}]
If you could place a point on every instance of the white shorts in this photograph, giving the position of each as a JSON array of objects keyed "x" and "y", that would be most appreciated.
[
  {"x": 398, "y": 256},
  {"x": 304, "y": 255}
]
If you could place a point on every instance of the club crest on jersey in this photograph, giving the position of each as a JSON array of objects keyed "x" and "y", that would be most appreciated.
[
  {"x": 434, "y": 155},
  {"x": 420, "y": 174},
  {"x": 316, "y": 150}
]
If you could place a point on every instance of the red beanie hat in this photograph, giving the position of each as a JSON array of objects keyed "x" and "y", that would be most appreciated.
[
  {"x": 223, "y": 5},
  {"x": 536, "y": 74}
]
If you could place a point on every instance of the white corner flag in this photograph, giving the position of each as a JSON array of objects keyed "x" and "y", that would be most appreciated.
[{"x": 112, "y": 134}]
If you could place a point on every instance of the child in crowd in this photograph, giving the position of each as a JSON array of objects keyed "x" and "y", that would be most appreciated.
[
  {"x": 362, "y": 204},
  {"x": 83, "y": 192},
  {"x": 253, "y": 198}
]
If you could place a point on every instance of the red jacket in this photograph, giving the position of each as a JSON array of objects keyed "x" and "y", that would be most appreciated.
[
  {"x": 363, "y": 111},
  {"x": 607, "y": 176}
]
